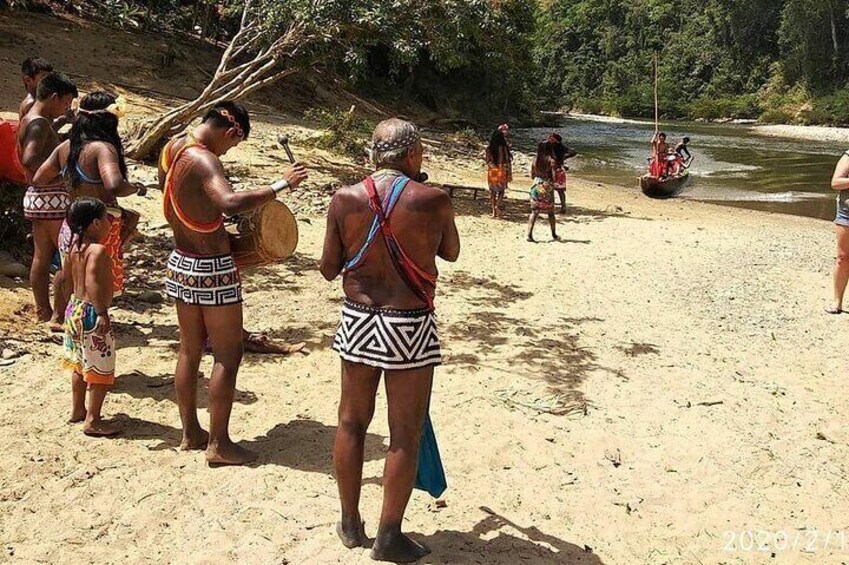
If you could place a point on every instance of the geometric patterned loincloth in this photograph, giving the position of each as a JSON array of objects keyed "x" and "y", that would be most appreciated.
[
  {"x": 46, "y": 202},
  {"x": 203, "y": 281},
  {"x": 388, "y": 339}
]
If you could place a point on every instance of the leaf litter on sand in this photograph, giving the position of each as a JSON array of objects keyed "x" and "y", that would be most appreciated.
[{"x": 541, "y": 401}]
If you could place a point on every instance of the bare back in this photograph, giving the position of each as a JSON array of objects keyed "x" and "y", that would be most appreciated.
[
  {"x": 191, "y": 195},
  {"x": 26, "y": 105},
  {"x": 88, "y": 164},
  {"x": 422, "y": 222},
  {"x": 91, "y": 274}
]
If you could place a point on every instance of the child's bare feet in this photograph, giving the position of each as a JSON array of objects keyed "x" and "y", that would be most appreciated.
[
  {"x": 77, "y": 416},
  {"x": 194, "y": 440},
  {"x": 99, "y": 428},
  {"x": 228, "y": 454}
]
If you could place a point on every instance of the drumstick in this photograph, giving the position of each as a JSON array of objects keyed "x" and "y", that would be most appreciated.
[{"x": 283, "y": 140}]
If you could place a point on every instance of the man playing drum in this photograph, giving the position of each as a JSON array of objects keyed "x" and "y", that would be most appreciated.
[
  {"x": 201, "y": 274},
  {"x": 385, "y": 234}
]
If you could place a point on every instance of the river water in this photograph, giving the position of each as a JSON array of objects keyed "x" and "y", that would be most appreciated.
[{"x": 733, "y": 166}]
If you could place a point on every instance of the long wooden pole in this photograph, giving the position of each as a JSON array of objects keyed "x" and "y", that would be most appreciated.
[{"x": 656, "y": 110}]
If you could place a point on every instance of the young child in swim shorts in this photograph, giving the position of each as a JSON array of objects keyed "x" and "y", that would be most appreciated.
[{"x": 89, "y": 341}]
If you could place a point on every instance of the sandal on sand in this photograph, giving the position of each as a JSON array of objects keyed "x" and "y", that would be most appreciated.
[{"x": 833, "y": 310}]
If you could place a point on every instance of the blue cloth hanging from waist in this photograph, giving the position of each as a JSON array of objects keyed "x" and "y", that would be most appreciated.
[{"x": 430, "y": 475}]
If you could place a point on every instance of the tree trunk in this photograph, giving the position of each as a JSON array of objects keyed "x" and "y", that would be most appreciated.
[
  {"x": 232, "y": 80},
  {"x": 834, "y": 42},
  {"x": 196, "y": 14},
  {"x": 149, "y": 135}
]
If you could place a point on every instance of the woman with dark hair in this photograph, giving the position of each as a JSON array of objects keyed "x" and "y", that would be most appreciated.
[
  {"x": 497, "y": 170},
  {"x": 92, "y": 164},
  {"x": 543, "y": 171},
  {"x": 561, "y": 153}
]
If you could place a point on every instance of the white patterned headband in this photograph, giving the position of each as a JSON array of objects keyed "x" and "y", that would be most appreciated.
[{"x": 406, "y": 141}]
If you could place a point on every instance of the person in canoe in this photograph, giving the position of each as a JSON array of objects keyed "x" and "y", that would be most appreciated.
[
  {"x": 682, "y": 150},
  {"x": 658, "y": 166},
  {"x": 680, "y": 157}
]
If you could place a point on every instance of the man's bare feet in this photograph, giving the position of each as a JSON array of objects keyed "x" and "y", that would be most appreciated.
[
  {"x": 353, "y": 533},
  {"x": 55, "y": 326},
  {"x": 228, "y": 454},
  {"x": 392, "y": 545},
  {"x": 194, "y": 440},
  {"x": 99, "y": 428},
  {"x": 43, "y": 315}
]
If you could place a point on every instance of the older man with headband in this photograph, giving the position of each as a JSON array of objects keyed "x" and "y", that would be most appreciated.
[{"x": 384, "y": 235}]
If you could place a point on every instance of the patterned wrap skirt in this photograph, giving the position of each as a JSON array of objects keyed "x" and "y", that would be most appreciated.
[{"x": 542, "y": 195}]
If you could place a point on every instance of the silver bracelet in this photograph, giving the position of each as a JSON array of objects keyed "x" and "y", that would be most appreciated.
[{"x": 280, "y": 186}]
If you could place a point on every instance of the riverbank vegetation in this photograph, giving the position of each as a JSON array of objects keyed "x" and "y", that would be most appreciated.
[
  {"x": 780, "y": 61},
  {"x": 475, "y": 61}
]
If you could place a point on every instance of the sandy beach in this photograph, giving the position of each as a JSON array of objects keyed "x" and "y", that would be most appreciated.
[
  {"x": 813, "y": 133},
  {"x": 661, "y": 387},
  {"x": 785, "y": 131},
  {"x": 697, "y": 383}
]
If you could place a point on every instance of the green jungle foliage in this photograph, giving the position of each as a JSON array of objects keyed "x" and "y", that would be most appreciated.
[
  {"x": 777, "y": 60},
  {"x": 784, "y": 60}
]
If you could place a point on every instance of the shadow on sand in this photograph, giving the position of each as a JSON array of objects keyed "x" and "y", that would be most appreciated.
[
  {"x": 306, "y": 445},
  {"x": 550, "y": 352},
  {"x": 505, "y": 548},
  {"x": 142, "y": 430},
  {"x": 161, "y": 387},
  {"x": 281, "y": 276},
  {"x": 517, "y": 210}
]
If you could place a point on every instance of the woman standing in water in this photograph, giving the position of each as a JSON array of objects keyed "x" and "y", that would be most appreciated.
[
  {"x": 544, "y": 171},
  {"x": 840, "y": 183},
  {"x": 497, "y": 170}
]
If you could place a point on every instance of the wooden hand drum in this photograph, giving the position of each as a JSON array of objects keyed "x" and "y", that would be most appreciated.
[{"x": 266, "y": 235}]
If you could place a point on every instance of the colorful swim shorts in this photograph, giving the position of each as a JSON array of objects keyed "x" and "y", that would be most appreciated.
[{"x": 88, "y": 353}]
